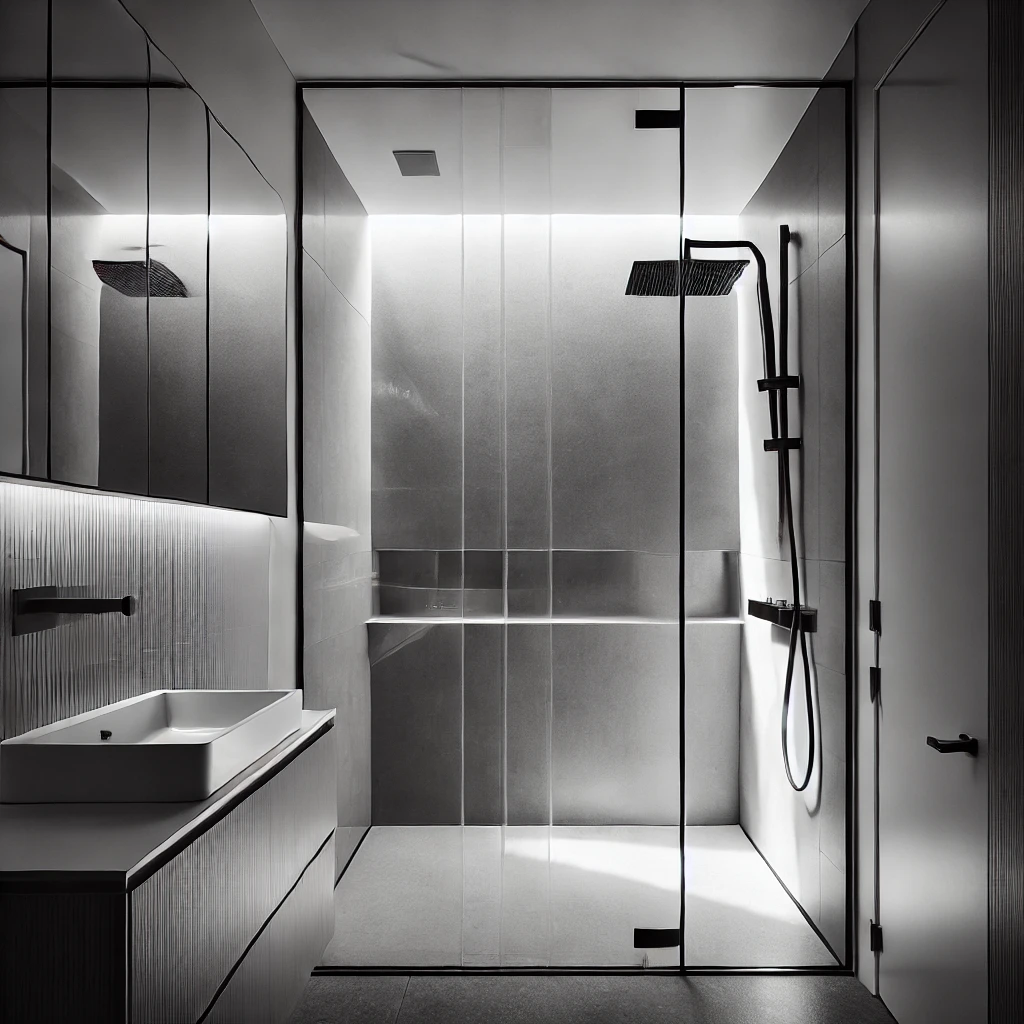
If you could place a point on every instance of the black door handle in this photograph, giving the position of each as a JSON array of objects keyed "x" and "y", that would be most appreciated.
[{"x": 965, "y": 745}]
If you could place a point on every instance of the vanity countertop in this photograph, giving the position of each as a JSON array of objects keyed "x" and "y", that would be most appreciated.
[{"x": 114, "y": 846}]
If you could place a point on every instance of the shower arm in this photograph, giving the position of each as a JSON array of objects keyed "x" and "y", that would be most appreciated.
[{"x": 765, "y": 307}]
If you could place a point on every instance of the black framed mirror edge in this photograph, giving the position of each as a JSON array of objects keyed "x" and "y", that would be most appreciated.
[{"x": 848, "y": 964}]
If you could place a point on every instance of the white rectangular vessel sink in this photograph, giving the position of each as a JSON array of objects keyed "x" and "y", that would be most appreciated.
[{"x": 162, "y": 746}]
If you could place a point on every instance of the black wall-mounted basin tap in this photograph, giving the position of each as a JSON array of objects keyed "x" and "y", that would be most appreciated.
[{"x": 39, "y": 608}]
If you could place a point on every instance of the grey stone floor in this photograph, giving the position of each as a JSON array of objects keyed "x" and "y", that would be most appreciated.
[{"x": 588, "y": 1000}]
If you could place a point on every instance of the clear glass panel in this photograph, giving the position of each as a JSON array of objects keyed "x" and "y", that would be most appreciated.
[{"x": 765, "y": 865}]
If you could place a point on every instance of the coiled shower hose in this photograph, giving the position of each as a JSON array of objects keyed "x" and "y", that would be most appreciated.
[{"x": 797, "y": 633}]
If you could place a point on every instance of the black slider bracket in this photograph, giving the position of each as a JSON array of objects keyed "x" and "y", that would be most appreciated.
[
  {"x": 777, "y": 444},
  {"x": 778, "y": 383},
  {"x": 39, "y": 608}
]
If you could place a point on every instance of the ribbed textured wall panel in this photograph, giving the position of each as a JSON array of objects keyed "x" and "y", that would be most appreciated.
[
  {"x": 63, "y": 957},
  {"x": 201, "y": 576},
  {"x": 192, "y": 919},
  {"x": 270, "y": 980},
  {"x": 1006, "y": 508}
]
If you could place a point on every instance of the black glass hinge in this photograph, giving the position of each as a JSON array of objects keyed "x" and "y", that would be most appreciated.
[
  {"x": 777, "y": 383},
  {"x": 875, "y": 616},
  {"x": 658, "y": 119},
  {"x": 875, "y": 677},
  {"x": 876, "y": 938}
]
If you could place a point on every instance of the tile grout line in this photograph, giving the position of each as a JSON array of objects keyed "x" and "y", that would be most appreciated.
[{"x": 401, "y": 1004}]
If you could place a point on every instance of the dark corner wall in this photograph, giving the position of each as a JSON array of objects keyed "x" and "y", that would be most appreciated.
[
  {"x": 1006, "y": 511},
  {"x": 802, "y": 835},
  {"x": 337, "y": 560}
]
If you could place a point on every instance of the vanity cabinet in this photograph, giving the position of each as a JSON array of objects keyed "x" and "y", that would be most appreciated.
[{"x": 222, "y": 914}]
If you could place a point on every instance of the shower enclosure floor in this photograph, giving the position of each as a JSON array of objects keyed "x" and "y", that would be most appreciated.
[{"x": 562, "y": 896}]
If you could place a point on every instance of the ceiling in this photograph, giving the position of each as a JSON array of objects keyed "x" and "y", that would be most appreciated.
[
  {"x": 558, "y": 39},
  {"x": 585, "y": 158}
]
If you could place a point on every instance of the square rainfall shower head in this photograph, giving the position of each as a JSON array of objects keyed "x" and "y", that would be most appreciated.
[{"x": 417, "y": 163}]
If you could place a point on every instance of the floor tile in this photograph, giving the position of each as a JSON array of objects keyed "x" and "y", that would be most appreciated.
[
  {"x": 352, "y": 1000},
  {"x": 539, "y": 1000},
  {"x": 562, "y": 896},
  {"x": 784, "y": 1000},
  {"x": 400, "y": 901},
  {"x": 737, "y": 913},
  {"x": 592, "y": 999}
]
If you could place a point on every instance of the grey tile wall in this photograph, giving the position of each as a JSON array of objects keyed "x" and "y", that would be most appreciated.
[
  {"x": 615, "y": 724},
  {"x": 201, "y": 577},
  {"x": 615, "y": 384},
  {"x": 711, "y": 509},
  {"x": 528, "y": 724},
  {"x": 416, "y": 724},
  {"x": 483, "y": 725},
  {"x": 336, "y": 473},
  {"x": 712, "y": 722},
  {"x": 803, "y": 836},
  {"x": 417, "y": 357}
]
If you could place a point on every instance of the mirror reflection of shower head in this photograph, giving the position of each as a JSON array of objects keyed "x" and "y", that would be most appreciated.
[{"x": 699, "y": 277}]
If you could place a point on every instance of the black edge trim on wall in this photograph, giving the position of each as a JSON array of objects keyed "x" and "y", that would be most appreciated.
[
  {"x": 681, "y": 312},
  {"x": 259, "y": 931},
  {"x": 850, "y": 507},
  {"x": 49, "y": 228},
  {"x": 300, "y": 509},
  {"x": 1005, "y": 509}
]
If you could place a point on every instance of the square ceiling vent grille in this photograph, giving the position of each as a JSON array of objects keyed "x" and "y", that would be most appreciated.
[{"x": 417, "y": 163}]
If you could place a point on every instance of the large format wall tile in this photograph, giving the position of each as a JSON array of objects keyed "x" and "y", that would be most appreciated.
[
  {"x": 711, "y": 509},
  {"x": 528, "y": 724},
  {"x": 484, "y": 714},
  {"x": 615, "y": 724},
  {"x": 416, "y": 710},
  {"x": 615, "y": 381},
  {"x": 417, "y": 382},
  {"x": 200, "y": 576},
  {"x": 712, "y": 723}
]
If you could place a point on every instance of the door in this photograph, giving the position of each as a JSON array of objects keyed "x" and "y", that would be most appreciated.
[{"x": 933, "y": 533}]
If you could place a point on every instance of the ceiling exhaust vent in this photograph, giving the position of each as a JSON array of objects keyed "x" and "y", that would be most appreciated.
[{"x": 417, "y": 163}]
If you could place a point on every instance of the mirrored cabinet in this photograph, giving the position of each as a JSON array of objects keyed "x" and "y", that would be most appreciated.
[{"x": 143, "y": 267}]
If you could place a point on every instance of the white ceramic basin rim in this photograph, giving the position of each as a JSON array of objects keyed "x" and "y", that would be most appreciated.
[{"x": 166, "y": 745}]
